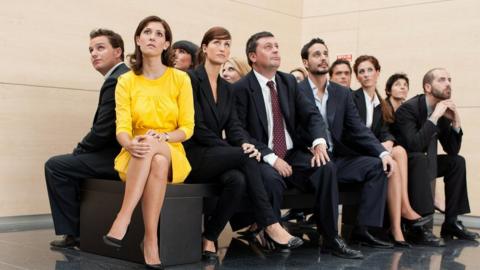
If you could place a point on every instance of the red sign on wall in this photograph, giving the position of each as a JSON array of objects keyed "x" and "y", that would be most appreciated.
[{"x": 347, "y": 57}]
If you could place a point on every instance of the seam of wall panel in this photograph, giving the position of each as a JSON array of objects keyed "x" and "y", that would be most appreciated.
[{"x": 48, "y": 86}]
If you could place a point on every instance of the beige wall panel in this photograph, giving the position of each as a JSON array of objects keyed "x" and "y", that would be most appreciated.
[
  {"x": 39, "y": 123},
  {"x": 48, "y": 40},
  {"x": 47, "y": 45},
  {"x": 471, "y": 152}
]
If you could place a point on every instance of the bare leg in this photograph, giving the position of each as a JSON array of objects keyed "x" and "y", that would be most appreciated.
[
  {"x": 137, "y": 174},
  {"x": 152, "y": 201},
  {"x": 400, "y": 156},
  {"x": 394, "y": 204}
]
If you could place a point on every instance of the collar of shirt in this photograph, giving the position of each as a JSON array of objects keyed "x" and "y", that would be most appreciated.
[
  {"x": 111, "y": 70},
  {"x": 429, "y": 108},
  {"x": 262, "y": 80},
  {"x": 375, "y": 102},
  {"x": 314, "y": 88}
]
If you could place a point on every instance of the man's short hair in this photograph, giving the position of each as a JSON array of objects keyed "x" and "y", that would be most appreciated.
[
  {"x": 115, "y": 39},
  {"x": 429, "y": 77},
  {"x": 306, "y": 47},
  {"x": 252, "y": 43},
  {"x": 339, "y": 62}
]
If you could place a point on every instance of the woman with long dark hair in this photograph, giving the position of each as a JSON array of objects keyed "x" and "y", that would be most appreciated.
[
  {"x": 154, "y": 107},
  {"x": 374, "y": 112},
  {"x": 232, "y": 162}
]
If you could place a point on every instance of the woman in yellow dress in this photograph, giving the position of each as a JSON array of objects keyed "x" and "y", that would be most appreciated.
[{"x": 154, "y": 108}]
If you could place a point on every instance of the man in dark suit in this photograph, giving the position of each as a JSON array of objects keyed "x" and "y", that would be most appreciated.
[
  {"x": 420, "y": 123},
  {"x": 335, "y": 104},
  {"x": 272, "y": 109},
  {"x": 341, "y": 72},
  {"x": 93, "y": 157}
]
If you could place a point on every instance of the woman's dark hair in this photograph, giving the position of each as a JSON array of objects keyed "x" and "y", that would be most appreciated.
[
  {"x": 136, "y": 59},
  {"x": 363, "y": 58},
  {"x": 386, "y": 108},
  {"x": 389, "y": 115},
  {"x": 216, "y": 32}
]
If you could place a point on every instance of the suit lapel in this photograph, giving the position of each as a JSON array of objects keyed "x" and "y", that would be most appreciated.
[
  {"x": 282, "y": 91},
  {"x": 206, "y": 90},
  {"x": 222, "y": 99},
  {"x": 331, "y": 108},
  {"x": 361, "y": 106},
  {"x": 258, "y": 100}
]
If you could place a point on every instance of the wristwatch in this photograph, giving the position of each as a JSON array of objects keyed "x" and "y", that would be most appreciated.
[{"x": 167, "y": 137}]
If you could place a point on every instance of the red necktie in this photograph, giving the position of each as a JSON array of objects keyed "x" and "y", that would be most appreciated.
[{"x": 279, "y": 143}]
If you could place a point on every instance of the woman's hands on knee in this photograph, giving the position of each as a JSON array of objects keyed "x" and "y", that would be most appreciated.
[{"x": 137, "y": 147}]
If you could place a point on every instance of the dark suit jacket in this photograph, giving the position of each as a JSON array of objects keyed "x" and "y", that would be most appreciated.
[
  {"x": 343, "y": 117},
  {"x": 210, "y": 117},
  {"x": 416, "y": 134},
  {"x": 100, "y": 142},
  {"x": 296, "y": 109},
  {"x": 379, "y": 127}
]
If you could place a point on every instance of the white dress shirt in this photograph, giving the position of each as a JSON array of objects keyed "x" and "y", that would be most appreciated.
[
  {"x": 321, "y": 104},
  {"x": 267, "y": 99},
  {"x": 371, "y": 104},
  {"x": 111, "y": 70}
]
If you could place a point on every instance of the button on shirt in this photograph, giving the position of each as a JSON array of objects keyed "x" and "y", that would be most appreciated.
[
  {"x": 371, "y": 104},
  {"x": 321, "y": 104}
]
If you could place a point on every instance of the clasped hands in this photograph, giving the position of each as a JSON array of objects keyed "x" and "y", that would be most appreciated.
[{"x": 141, "y": 145}]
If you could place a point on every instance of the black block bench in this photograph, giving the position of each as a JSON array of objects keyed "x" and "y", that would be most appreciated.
[{"x": 180, "y": 225}]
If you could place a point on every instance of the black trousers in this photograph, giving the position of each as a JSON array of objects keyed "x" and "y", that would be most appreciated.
[
  {"x": 319, "y": 180},
  {"x": 238, "y": 175},
  {"x": 63, "y": 175},
  {"x": 369, "y": 172},
  {"x": 453, "y": 169}
]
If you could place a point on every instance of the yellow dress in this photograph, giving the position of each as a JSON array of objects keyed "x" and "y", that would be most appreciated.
[{"x": 164, "y": 104}]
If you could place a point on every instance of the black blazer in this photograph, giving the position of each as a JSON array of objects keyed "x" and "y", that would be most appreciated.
[
  {"x": 379, "y": 127},
  {"x": 297, "y": 111},
  {"x": 415, "y": 133},
  {"x": 210, "y": 117},
  {"x": 343, "y": 117},
  {"x": 101, "y": 141}
]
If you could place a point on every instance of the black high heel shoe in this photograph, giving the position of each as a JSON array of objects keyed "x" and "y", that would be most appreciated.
[
  {"x": 158, "y": 266},
  {"x": 114, "y": 242},
  {"x": 293, "y": 242},
  {"x": 399, "y": 244}
]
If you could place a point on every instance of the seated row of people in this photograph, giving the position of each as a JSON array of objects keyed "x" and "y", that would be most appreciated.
[{"x": 259, "y": 136}]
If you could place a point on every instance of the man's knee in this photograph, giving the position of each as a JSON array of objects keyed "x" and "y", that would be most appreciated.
[
  {"x": 459, "y": 161},
  {"x": 417, "y": 158}
]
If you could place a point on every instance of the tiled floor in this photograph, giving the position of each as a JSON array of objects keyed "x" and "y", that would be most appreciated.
[{"x": 30, "y": 250}]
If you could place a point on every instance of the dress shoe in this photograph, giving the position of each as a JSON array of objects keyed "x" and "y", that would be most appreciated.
[
  {"x": 294, "y": 214},
  {"x": 158, "y": 266},
  {"x": 363, "y": 237},
  {"x": 399, "y": 244},
  {"x": 422, "y": 235},
  {"x": 209, "y": 256},
  {"x": 456, "y": 229},
  {"x": 292, "y": 243},
  {"x": 112, "y": 241},
  {"x": 68, "y": 241},
  {"x": 339, "y": 248},
  {"x": 417, "y": 222}
]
